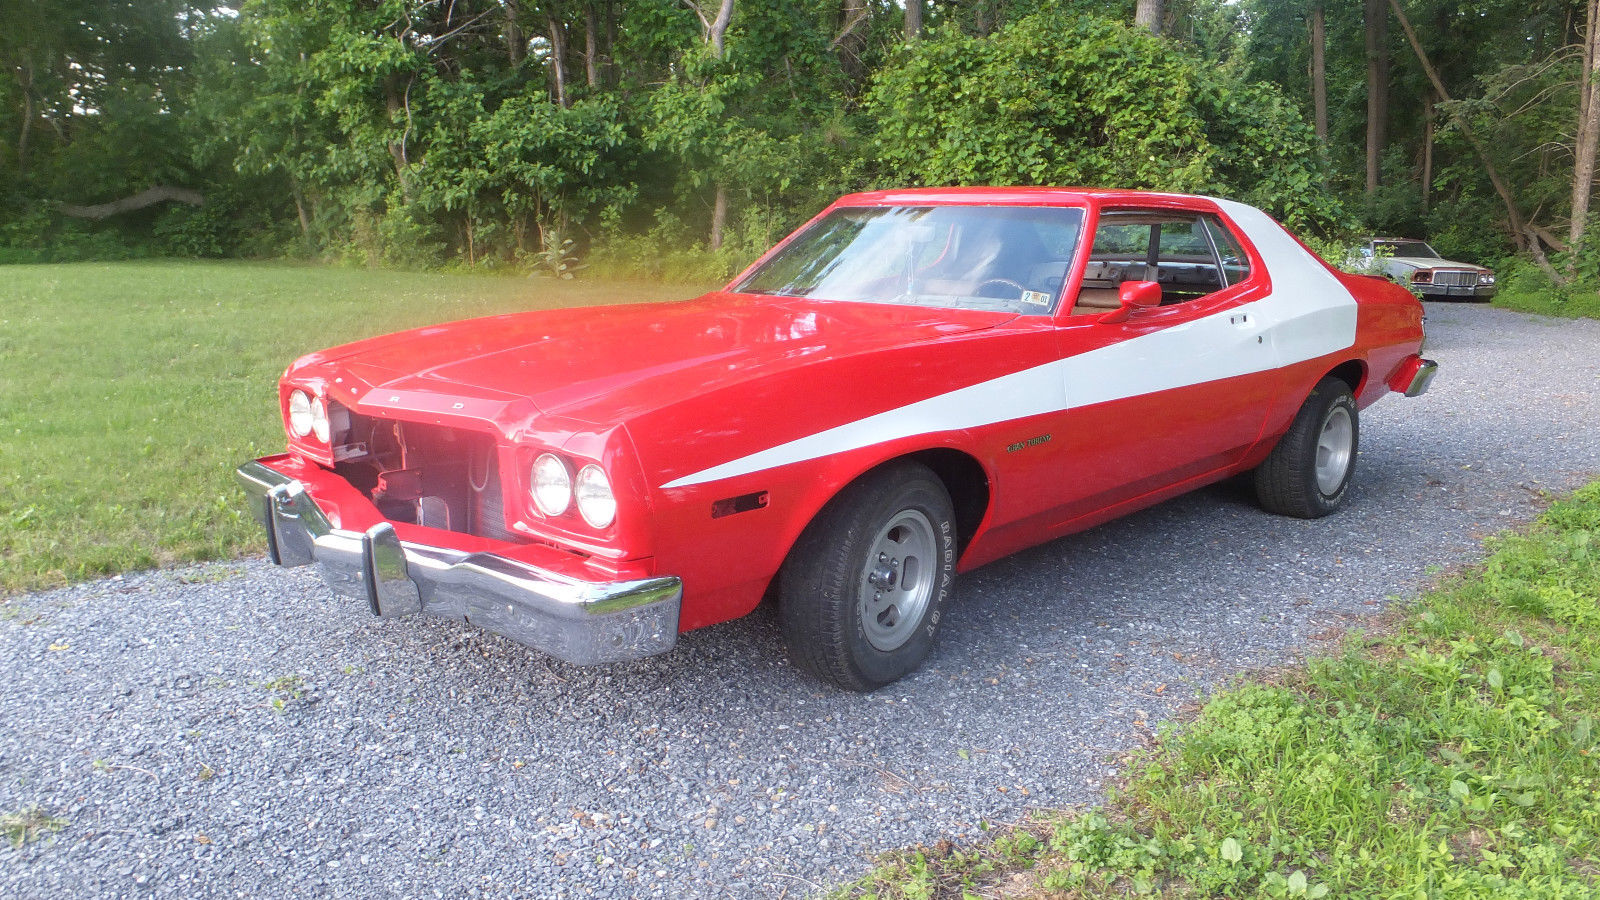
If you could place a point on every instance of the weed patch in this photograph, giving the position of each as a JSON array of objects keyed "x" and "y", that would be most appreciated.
[
  {"x": 283, "y": 690},
  {"x": 1455, "y": 756},
  {"x": 28, "y": 824}
]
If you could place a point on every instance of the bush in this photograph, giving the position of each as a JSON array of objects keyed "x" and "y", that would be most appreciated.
[
  {"x": 1525, "y": 287},
  {"x": 1077, "y": 100}
]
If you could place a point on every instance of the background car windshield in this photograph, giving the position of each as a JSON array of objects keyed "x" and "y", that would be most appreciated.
[
  {"x": 1408, "y": 248},
  {"x": 1004, "y": 258}
]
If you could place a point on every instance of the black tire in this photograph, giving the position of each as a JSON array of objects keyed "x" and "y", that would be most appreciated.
[
  {"x": 851, "y": 550},
  {"x": 1292, "y": 481}
]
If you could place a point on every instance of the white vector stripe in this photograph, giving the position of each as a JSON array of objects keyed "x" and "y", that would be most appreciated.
[{"x": 1307, "y": 314}]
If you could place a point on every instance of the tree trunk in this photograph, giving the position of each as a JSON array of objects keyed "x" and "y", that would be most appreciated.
[
  {"x": 719, "y": 217},
  {"x": 1377, "y": 28},
  {"x": 1588, "y": 136},
  {"x": 395, "y": 103},
  {"x": 147, "y": 197},
  {"x": 300, "y": 209},
  {"x": 716, "y": 34},
  {"x": 27, "y": 130},
  {"x": 913, "y": 19},
  {"x": 610, "y": 70},
  {"x": 558, "y": 59},
  {"x": 1520, "y": 231},
  {"x": 852, "y": 40},
  {"x": 591, "y": 43},
  {"x": 1148, "y": 15},
  {"x": 1319, "y": 72},
  {"x": 1427, "y": 147},
  {"x": 516, "y": 42}
]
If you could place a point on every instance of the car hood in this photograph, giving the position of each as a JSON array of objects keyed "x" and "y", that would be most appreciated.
[
  {"x": 599, "y": 364},
  {"x": 1430, "y": 262}
]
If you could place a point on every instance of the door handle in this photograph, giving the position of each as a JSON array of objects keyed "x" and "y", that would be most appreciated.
[{"x": 1239, "y": 319}]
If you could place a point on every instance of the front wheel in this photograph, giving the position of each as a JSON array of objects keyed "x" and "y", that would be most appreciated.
[
  {"x": 1308, "y": 473},
  {"x": 862, "y": 592}
]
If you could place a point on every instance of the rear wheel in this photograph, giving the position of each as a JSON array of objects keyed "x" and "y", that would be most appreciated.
[
  {"x": 1308, "y": 474},
  {"x": 862, "y": 592}
]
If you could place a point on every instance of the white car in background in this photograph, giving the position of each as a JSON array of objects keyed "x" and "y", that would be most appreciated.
[{"x": 1415, "y": 264}]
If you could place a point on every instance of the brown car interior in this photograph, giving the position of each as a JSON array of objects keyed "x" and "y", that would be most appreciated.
[{"x": 1128, "y": 246}]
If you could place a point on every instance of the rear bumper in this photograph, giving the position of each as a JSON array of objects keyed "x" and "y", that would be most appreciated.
[
  {"x": 1413, "y": 376},
  {"x": 574, "y": 619}
]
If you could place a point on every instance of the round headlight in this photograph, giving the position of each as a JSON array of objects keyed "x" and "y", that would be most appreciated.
[
  {"x": 595, "y": 502},
  {"x": 300, "y": 413},
  {"x": 319, "y": 419},
  {"x": 552, "y": 485}
]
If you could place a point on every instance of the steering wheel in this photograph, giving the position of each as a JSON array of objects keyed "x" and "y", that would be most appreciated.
[{"x": 1005, "y": 281}]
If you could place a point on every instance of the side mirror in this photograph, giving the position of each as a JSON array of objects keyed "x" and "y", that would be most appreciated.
[{"x": 1133, "y": 295}]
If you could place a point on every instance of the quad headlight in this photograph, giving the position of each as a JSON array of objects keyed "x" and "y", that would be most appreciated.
[
  {"x": 555, "y": 491},
  {"x": 319, "y": 420},
  {"x": 300, "y": 416},
  {"x": 596, "y": 503},
  {"x": 551, "y": 485},
  {"x": 308, "y": 415}
]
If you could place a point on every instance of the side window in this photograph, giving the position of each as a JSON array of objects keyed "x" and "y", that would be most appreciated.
[
  {"x": 1189, "y": 255},
  {"x": 1186, "y": 267},
  {"x": 1235, "y": 262}
]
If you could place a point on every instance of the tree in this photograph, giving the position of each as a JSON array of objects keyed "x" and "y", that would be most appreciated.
[
  {"x": 716, "y": 30},
  {"x": 1036, "y": 104},
  {"x": 1377, "y": 34},
  {"x": 1319, "y": 72},
  {"x": 1148, "y": 15},
  {"x": 1588, "y": 132},
  {"x": 913, "y": 29}
]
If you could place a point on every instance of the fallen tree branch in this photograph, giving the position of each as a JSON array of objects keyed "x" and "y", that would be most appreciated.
[
  {"x": 147, "y": 197},
  {"x": 1545, "y": 235},
  {"x": 1542, "y": 261}
]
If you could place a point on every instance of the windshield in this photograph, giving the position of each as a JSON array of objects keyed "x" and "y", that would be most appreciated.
[
  {"x": 1406, "y": 248},
  {"x": 1002, "y": 258}
]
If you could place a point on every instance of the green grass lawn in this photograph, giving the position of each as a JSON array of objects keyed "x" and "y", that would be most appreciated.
[
  {"x": 1456, "y": 756},
  {"x": 129, "y": 391}
]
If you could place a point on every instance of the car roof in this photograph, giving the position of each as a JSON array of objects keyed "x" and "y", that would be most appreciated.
[{"x": 1047, "y": 196}]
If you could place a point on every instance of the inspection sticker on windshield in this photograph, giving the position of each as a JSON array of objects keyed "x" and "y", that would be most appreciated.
[{"x": 1037, "y": 298}]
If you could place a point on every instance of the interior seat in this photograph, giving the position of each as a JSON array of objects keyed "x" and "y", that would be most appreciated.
[{"x": 1092, "y": 300}]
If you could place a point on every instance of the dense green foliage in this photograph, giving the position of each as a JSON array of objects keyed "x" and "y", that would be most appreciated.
[
  {"x": 1076, "y": 100},
  {"x": 617, "y": 134},
  {"x": 1523, "y": 287},
  {"x": 119, "y": 449},
  {"x": 1457, "y": 757}
]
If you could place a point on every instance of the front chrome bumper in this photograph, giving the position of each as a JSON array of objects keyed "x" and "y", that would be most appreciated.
[
  {"x": 1456, "y": 291},
  {"x": 576, "y": 620}
]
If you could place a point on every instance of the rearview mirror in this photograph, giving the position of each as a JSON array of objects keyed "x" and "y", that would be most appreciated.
[{"x": 1133, "y": 295}]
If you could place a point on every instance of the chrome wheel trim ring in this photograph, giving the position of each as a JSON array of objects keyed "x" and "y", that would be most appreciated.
[
  {"x": 898, "y": 581},
  {"x": 1335, "y": 449}
]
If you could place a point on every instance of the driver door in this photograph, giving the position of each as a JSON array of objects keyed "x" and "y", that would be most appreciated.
[{"x": 1176, "y": 392}]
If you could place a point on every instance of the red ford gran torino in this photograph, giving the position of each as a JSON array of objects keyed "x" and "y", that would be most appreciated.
[{"x": 915, "y": 383}]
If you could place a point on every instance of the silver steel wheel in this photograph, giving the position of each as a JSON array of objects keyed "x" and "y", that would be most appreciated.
[
  {"x": 1334, "y": 446},
  {"x": 898, "y": 580}
]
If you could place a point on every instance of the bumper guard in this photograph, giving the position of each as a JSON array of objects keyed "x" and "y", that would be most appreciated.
[{"x": 581, "y": 622}]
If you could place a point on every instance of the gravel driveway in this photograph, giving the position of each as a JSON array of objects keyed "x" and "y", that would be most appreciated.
[{"x": 233, "y": 730}]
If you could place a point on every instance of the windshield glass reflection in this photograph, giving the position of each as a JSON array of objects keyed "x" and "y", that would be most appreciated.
[{"x": 1002, "y": 258}]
